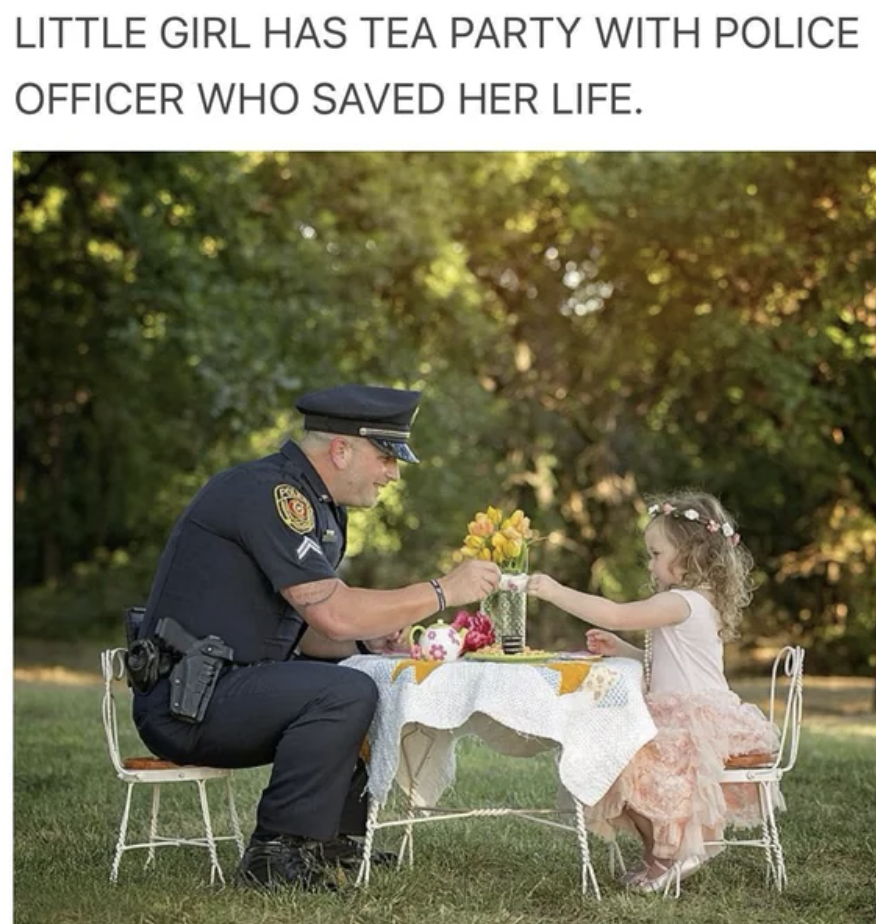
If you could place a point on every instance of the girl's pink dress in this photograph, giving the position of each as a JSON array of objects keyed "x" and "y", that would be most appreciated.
[{"x": 674, "y": 779}]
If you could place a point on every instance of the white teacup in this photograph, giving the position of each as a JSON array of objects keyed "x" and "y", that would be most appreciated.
[{"x": 515, "y": 582}]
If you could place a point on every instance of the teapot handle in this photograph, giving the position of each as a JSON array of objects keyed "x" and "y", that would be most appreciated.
[{"x": 415, "y": 633}]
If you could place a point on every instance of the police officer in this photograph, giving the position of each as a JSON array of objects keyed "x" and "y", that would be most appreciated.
[{"x": 253, "y": 561}]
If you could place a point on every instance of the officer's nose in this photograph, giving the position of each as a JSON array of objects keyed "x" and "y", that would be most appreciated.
[{"x": 392, "y": 471}]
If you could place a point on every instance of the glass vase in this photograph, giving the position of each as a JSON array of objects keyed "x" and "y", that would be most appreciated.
[{"x": 507, "y": 610}]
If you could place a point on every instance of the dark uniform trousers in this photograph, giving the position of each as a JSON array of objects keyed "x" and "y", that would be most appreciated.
[{"x": 306, "y": 718}]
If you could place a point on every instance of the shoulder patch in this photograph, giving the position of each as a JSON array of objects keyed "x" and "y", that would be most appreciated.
[{"x": 294, "y": 508}]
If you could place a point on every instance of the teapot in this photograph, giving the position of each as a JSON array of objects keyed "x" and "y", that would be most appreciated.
[{"x": 438, "y": 642}]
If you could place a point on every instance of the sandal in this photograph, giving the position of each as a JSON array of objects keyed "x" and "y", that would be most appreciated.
[
  {"x": 677, "y": 871},
  {"x": 645, "y": 883},
  {"x": 632, "y": 874}
]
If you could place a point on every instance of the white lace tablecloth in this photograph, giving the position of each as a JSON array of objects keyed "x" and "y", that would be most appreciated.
[{"x": 515, "y": 709}]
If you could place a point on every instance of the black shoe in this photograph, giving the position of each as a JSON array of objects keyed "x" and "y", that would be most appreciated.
[
  {"x": 283, "y": 861},
  {"x": 348, "y": 852}
]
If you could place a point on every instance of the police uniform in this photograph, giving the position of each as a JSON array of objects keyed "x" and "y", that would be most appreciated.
[{"x": 250, "y": 532}]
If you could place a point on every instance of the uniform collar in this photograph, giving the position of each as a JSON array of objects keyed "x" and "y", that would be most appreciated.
[{"x": 293, "y": 452}]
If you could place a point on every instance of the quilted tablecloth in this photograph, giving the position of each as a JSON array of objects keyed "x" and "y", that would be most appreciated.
[{"x": 595, "y": 724}]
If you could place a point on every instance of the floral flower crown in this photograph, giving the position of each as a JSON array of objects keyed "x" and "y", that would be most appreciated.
[{"x": 713, "y": 526}]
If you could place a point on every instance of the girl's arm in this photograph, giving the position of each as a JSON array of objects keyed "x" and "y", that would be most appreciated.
[{"x": 663, "y": 609}]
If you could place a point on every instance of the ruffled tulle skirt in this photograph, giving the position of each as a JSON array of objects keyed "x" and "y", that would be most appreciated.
[{"x": 674, "y": 780}]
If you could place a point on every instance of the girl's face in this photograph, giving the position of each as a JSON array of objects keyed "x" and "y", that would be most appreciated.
[{"x": 662, "y": 558}]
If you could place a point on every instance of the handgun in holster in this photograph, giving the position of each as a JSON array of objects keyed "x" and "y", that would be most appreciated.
[{"x": 193, "y": 678}]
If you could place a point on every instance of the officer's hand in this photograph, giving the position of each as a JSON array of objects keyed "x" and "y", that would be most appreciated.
[
  {"x": 388, "y": 643},
  {"x": 472, "y": 580}
]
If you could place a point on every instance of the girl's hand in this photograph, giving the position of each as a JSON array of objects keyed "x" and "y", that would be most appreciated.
[
  {"x": 541, "y": 586},
  {"x": 603, "y": 643}
]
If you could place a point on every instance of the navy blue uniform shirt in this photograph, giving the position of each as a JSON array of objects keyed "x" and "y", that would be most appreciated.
[{"x": 249, "y": 532}]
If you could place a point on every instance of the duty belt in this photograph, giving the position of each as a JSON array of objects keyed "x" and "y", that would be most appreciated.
[{"x": 194, "y": 666}]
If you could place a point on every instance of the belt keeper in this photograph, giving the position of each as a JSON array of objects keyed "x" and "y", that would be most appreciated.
[{"x": 439, "y": 593}]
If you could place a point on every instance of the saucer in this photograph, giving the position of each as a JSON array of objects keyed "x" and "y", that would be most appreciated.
[{"x": 540, "y": 657}]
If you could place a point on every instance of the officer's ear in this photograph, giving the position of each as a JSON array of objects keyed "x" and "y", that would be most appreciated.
[{"x": 340, "y": 452}]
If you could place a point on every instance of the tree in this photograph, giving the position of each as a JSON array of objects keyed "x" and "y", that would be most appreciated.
[{"x": 587, "y": 328}]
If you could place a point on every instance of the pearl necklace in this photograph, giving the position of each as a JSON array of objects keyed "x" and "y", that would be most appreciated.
[{"x": 649, "y": 657}]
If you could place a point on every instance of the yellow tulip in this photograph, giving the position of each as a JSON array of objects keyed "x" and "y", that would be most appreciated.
[
  {"x": 493, "y": 537},
  {"x": 494, "y": 515}
]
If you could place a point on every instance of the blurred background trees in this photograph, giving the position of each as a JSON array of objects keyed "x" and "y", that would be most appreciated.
[{"x": 587, "y": 328}]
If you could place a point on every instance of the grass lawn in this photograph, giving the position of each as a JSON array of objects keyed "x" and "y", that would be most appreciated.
[{"x": 68, "y": 803}]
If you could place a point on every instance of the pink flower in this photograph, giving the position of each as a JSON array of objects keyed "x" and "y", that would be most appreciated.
[
  {"x": 480, "y": 632},
  {"x": 416, "y": 652}
]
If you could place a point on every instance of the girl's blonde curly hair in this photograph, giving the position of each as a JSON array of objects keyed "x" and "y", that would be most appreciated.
[{"x": 709, "y": 551}]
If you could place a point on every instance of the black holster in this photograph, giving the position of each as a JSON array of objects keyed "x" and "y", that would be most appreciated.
[{"x": 193, "y": 678}]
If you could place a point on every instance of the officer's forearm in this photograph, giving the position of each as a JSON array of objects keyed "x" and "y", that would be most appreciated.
[{"x": 342, "y": 613}]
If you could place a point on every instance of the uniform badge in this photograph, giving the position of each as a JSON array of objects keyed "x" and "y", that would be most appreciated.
[{"x": 294, "y": 508}]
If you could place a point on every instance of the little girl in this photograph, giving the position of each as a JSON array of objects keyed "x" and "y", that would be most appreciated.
[{"x": 670, "y": 792}]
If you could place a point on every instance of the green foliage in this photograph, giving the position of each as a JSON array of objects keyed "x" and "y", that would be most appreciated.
[
  {"x": 587, "y": 328},
  {"x": 89, "y": 602},
  {"x": 700, "y": 319}
]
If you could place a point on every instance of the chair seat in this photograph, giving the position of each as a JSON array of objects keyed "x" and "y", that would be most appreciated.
[
  {"x": 149, "y": 763},
  {"x": 755, "y": 759}
]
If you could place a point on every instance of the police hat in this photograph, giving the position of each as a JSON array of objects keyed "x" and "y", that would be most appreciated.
[{"x": 382, "y": 415}]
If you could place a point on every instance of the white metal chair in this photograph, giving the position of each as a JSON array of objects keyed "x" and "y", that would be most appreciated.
[
  {"x": 767, "y": 770},
  {"x": 153, "y": 771}
]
